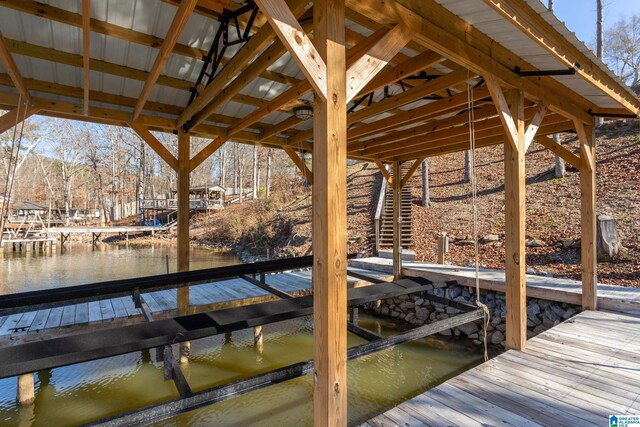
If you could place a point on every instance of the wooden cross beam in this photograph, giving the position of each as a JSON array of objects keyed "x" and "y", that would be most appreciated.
[
  {"x": 179, "y": 21},
  {"x": 534, "y": 124},
  {"x": 503, "y": 108},
  {"x": 361, "y": 72},
  {"x": 157, "y": 146},
  {"x": 299, "y": 162},
  {"x": 414, "y": 167},
  {"x": 12, "y": 69},
  {"x": 385, "y": 173},
  {"x": 560, "y": 151},
  {"x": 15, "y": 116},
  {"x": 288, "y": 29},
  {"x": 86, "y": 37}
]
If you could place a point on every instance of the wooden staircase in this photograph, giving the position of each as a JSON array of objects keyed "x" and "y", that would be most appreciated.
[{"x": 386, "y": 216}]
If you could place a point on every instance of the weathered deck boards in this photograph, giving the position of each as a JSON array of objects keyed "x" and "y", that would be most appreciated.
[
  {"x": 202, "y": 297},
  {"x": 610, "y": 297},
  {"x": 577, "y": 373}
]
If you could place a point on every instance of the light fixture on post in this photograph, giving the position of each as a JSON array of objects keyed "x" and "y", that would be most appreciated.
[{"x": 303, "y": 112}]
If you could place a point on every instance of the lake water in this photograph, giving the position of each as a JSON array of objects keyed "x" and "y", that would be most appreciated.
[
  {"x": 80, "y": 263},
  {"x": 89, "y": 391}
]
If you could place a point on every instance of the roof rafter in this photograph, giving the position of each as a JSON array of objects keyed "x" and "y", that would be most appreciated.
[
  {"x": 177, "y": 24},
  {"x": 12, "y": 69},
  {"x": 237, "y": 64},
  {"x": 361, "y": 72},
  {"x": 440, "y": 30}
]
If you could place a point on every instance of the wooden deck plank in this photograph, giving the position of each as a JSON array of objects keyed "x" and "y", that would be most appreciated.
[
  {"x": 2, "y": 320},
  {"x": 68, "y": 315},
  {"x": 577, "y": 373},
  {"x": 106, "y": 309},
  {"x": 10, "y": 324},
  {"x": 26, "y": 321},
  {"x": 95, "y": 314},
  {"x": 82, "y": 314},
  {"x": 118, "y": 307},
  {"x": 40, "y": 320},
  {"x": 54, "y": 319}
]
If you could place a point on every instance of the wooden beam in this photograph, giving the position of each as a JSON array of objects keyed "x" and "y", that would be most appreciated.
[
  {"x": 534, "y": 124},
  {"x": 329, "y": 229},
  {"x": 299, "y": 162},
  {"x": 527, "y": 20},
  {"x": 86, "y": 37},
  {"x": 495, "y": 131},
  {"x": 248, "y": 75},
  {"x": 503, "y": 108},
  {"x": 16, "y": 116},
  {"x": 179, "y": 21},
  {"x": 586, "y": 135},
  {"x": 237, "y": 64},
  {"x": 417, "y": 114},
  {"x": 403, "y": 70},
  {"x": 7, "y": 62},
  {"x": 299, "y": 45},
  {"x": 514, "y": 199},
  {"x": 443, "y": 32},
  {"x": 184, "y": 184},
  {"x": 397, "y": 221},
  {"x": 414, "y": 167},
  {"x": 207, "y": 151},
  {"x": 385, "y": 173},
  {"x": 559, "y": 150},
  {"x": 379, "y": 55},
  {"x": 279, "y": 127},
  {"x": 157, "y": 146}
]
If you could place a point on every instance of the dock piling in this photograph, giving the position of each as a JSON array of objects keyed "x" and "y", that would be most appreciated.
[{"x": 26, "y": 390}]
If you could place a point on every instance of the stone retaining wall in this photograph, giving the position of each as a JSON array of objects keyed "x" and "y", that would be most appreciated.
[{"x": 541, "y": 314}]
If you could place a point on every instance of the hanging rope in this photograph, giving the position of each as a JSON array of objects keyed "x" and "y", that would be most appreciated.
[
  {"x": 474, "y": 196},
  {"x": 13, "y": 164}
]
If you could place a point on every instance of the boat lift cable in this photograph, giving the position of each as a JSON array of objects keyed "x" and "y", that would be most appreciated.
[
  {"x": 474, "y": 193},
  {"x": 13, "y": 165}
]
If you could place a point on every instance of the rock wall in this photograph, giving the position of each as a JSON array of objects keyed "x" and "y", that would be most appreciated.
[{"x": 541, "y": 314}]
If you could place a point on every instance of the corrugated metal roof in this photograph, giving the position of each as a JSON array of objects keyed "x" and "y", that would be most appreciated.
[{"x": 154, "y": 17}]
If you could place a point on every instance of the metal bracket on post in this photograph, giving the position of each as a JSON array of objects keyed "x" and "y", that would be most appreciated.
[{"x": 173, "y": 372}]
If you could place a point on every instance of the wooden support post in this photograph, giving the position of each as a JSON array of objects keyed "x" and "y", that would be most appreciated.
[
  {"x": 514, "y": 195},
  {"x": 330, "y": 221},
  {"x": 353, "y": 315},
  {"x": 257, "y": 338},
  {"x": 586, "y": 134},
  {"x": 442, "y": 247},
  {"x": 397, "y": 221},
  {"x": 26, "y": 390},
  {"x": 184, "y": 154}
]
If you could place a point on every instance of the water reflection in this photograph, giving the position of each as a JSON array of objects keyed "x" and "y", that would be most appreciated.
[{"x": 93, "y": 390}]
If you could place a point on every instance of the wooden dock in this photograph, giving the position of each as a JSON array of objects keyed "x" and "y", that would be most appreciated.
[
  {"x": 204, "y": 297},
  {"x": 575, "y": 374},
  {"x": 610, "y": 297}
]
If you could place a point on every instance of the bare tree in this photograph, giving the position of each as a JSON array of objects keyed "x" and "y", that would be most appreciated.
[
  {"x": 467, "y": 166},
  {"x": 426, "y": 200},
  {"x": 622, "y": 49},
  {"x": 267, "y": 179},
  {"x": 254, "y": 177},
  {"x": 560, "y": 168}
]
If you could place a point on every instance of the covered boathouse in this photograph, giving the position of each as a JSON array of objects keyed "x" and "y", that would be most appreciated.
[{"x": 306, "y": 77}]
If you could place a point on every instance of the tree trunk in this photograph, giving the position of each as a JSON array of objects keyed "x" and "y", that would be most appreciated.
[
  {"x": 140, "y": 182},
  {"x": 267, "y": 179},
  {"x": 426, "y": 200},
  {"x": 236, "y": 171},
  {"x": 467, "y": 166},
  {"x": 240, "y": 170},
  {"x": 560, "y": 169},
  {"x": 222, "y": 168},
  {"x": 254, "y": 177}
]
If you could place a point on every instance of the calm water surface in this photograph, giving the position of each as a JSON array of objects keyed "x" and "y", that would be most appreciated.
[
  {"x": 89, "y": 391},
  {"x": 80, "y": 263}
]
